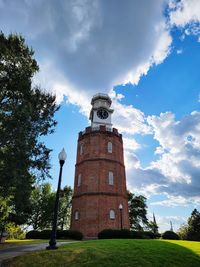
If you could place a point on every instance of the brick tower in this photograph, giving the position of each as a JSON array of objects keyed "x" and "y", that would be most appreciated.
[{"x": 99, "y": 200}]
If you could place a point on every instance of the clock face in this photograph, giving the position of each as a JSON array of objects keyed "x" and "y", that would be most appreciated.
[{"x": 102, "y": 113}]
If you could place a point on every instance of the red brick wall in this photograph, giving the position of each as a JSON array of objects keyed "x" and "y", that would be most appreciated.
[{"x": 94, "y": 198}]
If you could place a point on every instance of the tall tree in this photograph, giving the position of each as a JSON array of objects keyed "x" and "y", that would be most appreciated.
[
  {"x": 152, "y": 225},
  {"x": 65, "y": 204},
  {"x": 193, "y": 230},
  {"x": 5, "y": 210},
  {"x": 42, "y": 205},
  {"x": 137, "y": 211},
  {"x": 26, "y": 114}
]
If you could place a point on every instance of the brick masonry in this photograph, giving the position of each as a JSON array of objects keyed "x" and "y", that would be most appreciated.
[{"x": 95, "y": 197}]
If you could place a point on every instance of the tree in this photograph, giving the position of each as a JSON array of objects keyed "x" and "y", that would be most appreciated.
[
  {"x": 183, "y": 231},
  {"x": 193, "y": 230},
  {"x": 152, "y": 225},
  {"x": 65, "y": 203},
  {"x": 26, "y": 115},
  {"x": 5, "y": 210},
  {"x": 137, "y": 211},
  {"x": 42, "y": 205}
]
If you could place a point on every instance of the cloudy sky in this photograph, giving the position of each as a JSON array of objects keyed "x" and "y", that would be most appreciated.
[{"x": 146, "y": 55}]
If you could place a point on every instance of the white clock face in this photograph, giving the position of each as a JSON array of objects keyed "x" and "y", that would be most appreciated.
[{"x": 102, "y": 113}]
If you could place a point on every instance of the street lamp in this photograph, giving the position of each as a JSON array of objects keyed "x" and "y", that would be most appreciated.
[
  {"x": 121, "y": 208},
  {"x": 52, "y": 243}
]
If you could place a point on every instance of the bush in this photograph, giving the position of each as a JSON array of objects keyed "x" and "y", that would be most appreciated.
[
  {"x": 76, "y": 235},
  {"x": 125, "y": 233},
  {"x": 137, "y": 235},
  {"x": 33, "y": 235},
  {"x": 14, "y": 231},
  {"x": 45, "y": 234},
  {"x": 170, "y": 235},
  {"x": 61, "y": 234},
  {"x": 114, "y": 233},
  {"x": 69, "y": 234},
  {"x": 151, "y": 235}
]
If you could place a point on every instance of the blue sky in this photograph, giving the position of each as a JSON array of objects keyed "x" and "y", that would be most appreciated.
[{"x": 146, "y": 56}]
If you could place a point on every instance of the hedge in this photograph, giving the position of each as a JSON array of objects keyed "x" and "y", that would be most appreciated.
[
  {"x": 125, "y": 233},
  {"x": 61, "y": 234}
]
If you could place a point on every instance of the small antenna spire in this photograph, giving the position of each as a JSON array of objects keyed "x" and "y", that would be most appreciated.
[{"x": 171, "y": 226}]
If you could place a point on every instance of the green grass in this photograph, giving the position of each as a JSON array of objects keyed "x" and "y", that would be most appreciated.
[
  {"x": 114, "y": 253},
  {"x": 16, "y": 242}
]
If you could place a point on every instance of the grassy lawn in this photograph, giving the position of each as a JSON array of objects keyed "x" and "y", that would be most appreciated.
[
  {"x": 112, "y": 253},
  {"x": 15, "y": 242}
]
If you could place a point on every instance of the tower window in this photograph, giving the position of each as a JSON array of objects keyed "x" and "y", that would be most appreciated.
[
  {"x": 110, "y": 178},
  {"x": 79, "y": 180},
  {"x": 109, "y": 147},
  {"x": 112, "y": 214},
  {"x": 76, "y": 215},
  {"x": 81, "y": 149}
]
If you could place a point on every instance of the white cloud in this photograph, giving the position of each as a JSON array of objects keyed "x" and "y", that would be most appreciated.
[
  {"x": 179, "y": 51},
  {"x": 176, "y": 172},
  {"x": 164, "y": 222},
  {"x": 172, "y": 202},
  {"x": 130, "y": 144},
  {"x": 94, "y": 44},
  {"x": 185, "y": 14}
]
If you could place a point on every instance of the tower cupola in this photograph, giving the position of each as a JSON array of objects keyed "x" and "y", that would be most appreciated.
[{"x": 100, "y": 113}]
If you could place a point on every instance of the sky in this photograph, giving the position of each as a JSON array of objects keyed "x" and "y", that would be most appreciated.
[{"x": 146, "y": 55}]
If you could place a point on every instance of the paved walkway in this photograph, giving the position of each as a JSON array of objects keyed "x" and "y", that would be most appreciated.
[{"x": 11, "y": 252}]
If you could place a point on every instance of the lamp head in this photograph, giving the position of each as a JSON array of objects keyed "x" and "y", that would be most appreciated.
[
  {"x": 120, "y": 206},
  {"x": 62, "y": 155}
]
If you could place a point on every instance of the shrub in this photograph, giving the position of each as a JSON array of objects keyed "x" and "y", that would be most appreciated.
[
  {"x": 151, "y": 235},
  {"x": 114, "y": 233},
  {"x": 14, "y": 231},
  {"x": 61, "y": 234},
  {"x": 137, "y": 235},
  {"x": 125, "y": 233},
  {"x": 76, "y": 235},
  {"x": 45, "y": 234},
  {"x": 33, "y": 235},
  {"x": 170, "y": 235}
]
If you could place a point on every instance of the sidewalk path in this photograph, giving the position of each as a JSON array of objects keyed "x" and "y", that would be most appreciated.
[{"x": 11, "y": 252}]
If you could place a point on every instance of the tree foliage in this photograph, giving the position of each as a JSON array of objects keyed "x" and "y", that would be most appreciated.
[
  {"x": 183, "y": 231},
  {"x": 65, "y": 204},
  {"x": 42, "y": 204},
  {"x": 152, "y": 225},
  {"x": 137, "y": 211},
  {"x": 42, "y": 207},
  {"x": 26, "y": 114},
  {"x": 193, "y": 231},
  {"x": 5, "y": 210}
]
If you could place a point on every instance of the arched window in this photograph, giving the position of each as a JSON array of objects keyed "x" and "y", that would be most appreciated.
[
  {"x": 81, "y": 149},
  {"x": 112, "y": 214},
  {"x": 110, "y": 178},
  {"x": 79, "y": 180},
  {"x": 109, "y": 147},
  {"x": 76, "y": 215}
]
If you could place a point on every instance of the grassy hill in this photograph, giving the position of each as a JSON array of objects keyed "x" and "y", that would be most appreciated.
[{"x": 114, "y": 253}]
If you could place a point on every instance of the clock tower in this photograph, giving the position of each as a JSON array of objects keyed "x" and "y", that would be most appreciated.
[
  {"x": 100, "y": 199},
  {"x": 101, "y": 112}
]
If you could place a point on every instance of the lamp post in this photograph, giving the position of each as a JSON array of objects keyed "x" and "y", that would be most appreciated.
[
  {"x": 121, "y": 208},
  {"x": 52, "y": 243}
]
